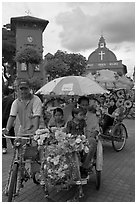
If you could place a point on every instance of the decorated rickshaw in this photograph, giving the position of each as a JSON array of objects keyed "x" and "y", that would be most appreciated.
[
  {"x": 61, "y": 158},
  {"x": 117, "y": 133}
]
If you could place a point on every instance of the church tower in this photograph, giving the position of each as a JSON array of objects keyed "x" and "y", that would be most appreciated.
[
  {"x": 29, "y": 32},
  {"x": 103, "y": 58}
]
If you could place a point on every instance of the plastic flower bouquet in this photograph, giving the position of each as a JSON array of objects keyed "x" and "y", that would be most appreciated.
[{"x": 59, "y": 164}]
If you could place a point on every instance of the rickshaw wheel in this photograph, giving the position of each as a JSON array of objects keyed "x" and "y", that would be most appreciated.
[
  {"x": 98, "y": 179},
  {"x": 119, "y": 136}
]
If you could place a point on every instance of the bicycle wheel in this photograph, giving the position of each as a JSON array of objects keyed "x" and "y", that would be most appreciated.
[
  {"x": 98, "y": 179},
  {"x": 119, "y": 136},
  {"x": 13, "y": 183}
]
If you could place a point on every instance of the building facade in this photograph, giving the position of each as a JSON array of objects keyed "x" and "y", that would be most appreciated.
[
  {"x": 103, "y": 58},
  {"x": 29, "y": 32}
]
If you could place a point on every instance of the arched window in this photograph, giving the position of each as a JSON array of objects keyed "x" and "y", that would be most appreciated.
[{"x": 23, "y": 67}]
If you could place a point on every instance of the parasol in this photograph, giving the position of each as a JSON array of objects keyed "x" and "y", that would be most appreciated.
[{"x": 72, "y": 85}]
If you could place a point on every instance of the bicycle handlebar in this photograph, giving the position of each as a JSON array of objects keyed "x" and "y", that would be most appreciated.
[{"x": 20, "y": 136}]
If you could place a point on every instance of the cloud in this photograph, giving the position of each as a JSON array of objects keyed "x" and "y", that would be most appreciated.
[{"x": 82, "y": 26}]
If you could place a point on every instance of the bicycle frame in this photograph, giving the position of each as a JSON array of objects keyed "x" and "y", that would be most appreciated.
[{"x": 23, "y": 174}]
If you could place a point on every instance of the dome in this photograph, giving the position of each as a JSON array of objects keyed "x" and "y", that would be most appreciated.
[{"x": 102, "y": 53}]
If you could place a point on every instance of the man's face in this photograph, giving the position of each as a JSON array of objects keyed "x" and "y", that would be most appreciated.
[
  {"x": 24, "y": 92},
  {"x": 84, "y": 104}
]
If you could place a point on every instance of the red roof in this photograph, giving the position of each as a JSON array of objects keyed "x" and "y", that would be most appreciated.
[{"x": 28, "y": 19}]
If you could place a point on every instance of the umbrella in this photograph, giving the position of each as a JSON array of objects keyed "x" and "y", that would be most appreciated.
[
  {"x": 111, "y": 80},
  {"x": 72, "y": 85},
  {"x": 105, "y": 78}
]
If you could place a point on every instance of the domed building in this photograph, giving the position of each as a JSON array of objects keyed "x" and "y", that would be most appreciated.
[{"x": 103, "y": 58}]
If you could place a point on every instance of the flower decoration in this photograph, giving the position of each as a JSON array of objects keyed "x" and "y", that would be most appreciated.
[
  {"x": 128, "y": 104},
  {"x": 41, "y": 135},
  {"x": 28, "y": 55},
  {"x": 120, "y": 93},
  {"x": 59, "y": 165},
  {"x": 120, "y": 102}
]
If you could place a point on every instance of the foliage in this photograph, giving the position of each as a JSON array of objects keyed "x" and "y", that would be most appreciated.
[
  {"x": 64, "y": 64},
  {"x": 28, "y": 55},
  {"x": 8, "y": 53},
  {"x": 56, "y": 68}
]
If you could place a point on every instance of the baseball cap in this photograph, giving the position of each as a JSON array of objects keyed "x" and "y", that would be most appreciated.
[{"x": 23, "y": 83}]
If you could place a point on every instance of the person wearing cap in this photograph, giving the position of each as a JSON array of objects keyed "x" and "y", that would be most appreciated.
[{"x": 26, "y": 108}]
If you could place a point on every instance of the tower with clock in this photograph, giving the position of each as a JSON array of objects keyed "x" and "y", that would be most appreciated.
[{"x": 29, "y": 32}]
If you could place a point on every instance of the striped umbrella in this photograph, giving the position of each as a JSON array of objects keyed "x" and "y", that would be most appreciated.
[{"x": 72, "y": 85}]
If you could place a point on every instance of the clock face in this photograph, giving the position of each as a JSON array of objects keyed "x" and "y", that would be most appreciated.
[{"x": 30, "y": 39}]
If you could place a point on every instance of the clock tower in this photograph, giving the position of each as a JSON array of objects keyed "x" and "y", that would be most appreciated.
[{"x": 29, "y": 32}]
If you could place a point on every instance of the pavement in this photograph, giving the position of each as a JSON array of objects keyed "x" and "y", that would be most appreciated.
[{"x": 117, "y": 179}]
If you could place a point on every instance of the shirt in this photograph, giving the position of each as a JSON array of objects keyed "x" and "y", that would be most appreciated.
[
  {"x": 53, "y": 123},
  {"x": 76, "y": 128},
  {"x": 92, "y": 122},
  {"x": 26, "y": 111}
]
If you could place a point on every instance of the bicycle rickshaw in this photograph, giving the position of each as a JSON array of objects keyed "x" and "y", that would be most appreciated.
[
  {"x": 117, "y": 133},
  {"x": 57, "y": 167},
  {"x": 26, "y": 164},
  {"x": 61, "y": 161}
]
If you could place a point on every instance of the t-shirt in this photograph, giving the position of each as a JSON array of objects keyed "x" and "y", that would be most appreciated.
[
  {"x": 26, "y": 111},
  {"x": 76, "y": 128},
  {"x": 54, "y": 123},
  {"x": 92, "y": 122}
]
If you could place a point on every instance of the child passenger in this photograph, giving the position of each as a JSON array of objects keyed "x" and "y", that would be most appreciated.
[
  {"x": 57, "y": 120},
  {"x": 77, "y": 125}
]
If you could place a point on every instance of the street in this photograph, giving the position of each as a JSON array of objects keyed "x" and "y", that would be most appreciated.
[{"x": 117, "y": 182}]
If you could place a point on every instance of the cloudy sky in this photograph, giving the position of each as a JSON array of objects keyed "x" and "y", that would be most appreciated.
[{"x": 76, "y": 27}]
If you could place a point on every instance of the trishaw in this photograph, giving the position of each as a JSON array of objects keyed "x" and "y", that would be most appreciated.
[
  {"x": 117, "y": 133},
  {"x": 59, "y": 167},
  {"x": 61, "y": 162}
]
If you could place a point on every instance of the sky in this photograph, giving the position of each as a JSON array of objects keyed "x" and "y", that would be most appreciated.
[{"x": 75, "y": 27}]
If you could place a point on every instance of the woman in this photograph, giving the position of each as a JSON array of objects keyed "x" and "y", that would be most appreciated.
[{"x": 108, "y": 118}]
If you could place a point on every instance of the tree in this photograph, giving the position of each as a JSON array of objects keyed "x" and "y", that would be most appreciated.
[
  {"x": 64, "y": 64},
  {"x": 55, "y": 68},
  {"x": 8, "y": 54}
]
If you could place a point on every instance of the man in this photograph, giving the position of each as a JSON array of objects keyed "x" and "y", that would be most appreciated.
[
  {"x": 92, "y": 130},
  {"x": 27, "y": 108}
]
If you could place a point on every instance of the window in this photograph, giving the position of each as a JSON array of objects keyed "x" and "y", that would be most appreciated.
[
  {"x": 101, "y": 45},
  {"x": 23, "y": 67}
]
